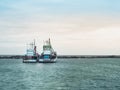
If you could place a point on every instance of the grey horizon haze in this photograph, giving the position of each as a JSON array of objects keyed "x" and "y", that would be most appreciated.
[{"x": 76, "y": 27}]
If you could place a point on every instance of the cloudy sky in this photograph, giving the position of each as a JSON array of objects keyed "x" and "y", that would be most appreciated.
[{"x": 82, "y": 27}]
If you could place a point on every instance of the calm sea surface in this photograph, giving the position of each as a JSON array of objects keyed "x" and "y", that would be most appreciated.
[{"x": 66, "y": 74}]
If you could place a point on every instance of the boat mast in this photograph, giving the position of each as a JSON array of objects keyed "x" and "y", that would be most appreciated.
[
  {"x": 50, "y": 45},
  {"x": 49, "y": 42},
  {"x": 34, "y": 47}
]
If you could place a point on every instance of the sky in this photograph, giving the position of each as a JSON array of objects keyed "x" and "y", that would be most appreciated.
[{"x": 76, "y": 27}]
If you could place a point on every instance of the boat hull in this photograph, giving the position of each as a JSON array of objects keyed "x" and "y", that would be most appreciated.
[
  {"x": 30, "y": 61},
  {"x": 47, "y": 60}
]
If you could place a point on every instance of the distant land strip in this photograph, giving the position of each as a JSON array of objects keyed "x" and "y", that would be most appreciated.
[{"x": 63, "y": 56}]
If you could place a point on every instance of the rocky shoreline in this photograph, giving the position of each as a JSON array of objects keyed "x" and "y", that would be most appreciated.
[{"x": 63, "y": 56}]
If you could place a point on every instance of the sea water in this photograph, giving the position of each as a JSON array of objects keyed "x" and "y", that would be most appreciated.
[{"x": 65, "y": 74}]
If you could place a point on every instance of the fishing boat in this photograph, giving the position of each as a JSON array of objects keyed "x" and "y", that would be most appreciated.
[
  {"x": 31, "y": 56},
  {"x": 48, "y": 55}
]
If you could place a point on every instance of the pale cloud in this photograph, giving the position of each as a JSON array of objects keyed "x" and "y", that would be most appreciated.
[{"x": 76, "y": 35}]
